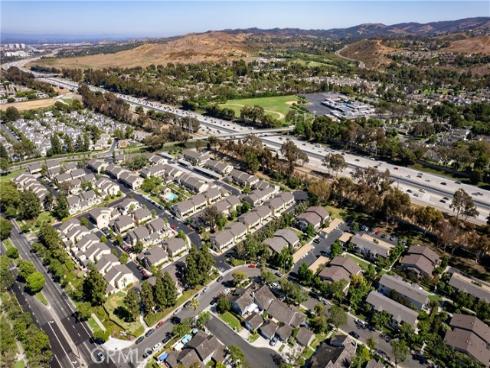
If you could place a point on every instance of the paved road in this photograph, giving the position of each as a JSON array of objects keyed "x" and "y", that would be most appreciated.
[
  {"x": 205, "y": 297},
  {"x": 255, "y": 357},
  {"x": 76, "y": 334}
]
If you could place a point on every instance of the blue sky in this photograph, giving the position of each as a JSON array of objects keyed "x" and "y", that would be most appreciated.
[{"x": 166, "y": 18}]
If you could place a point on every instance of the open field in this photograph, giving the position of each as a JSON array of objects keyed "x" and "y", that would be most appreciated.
[
  {"x": 277, "y": 106},
  {"x": 38, "y": 104}
]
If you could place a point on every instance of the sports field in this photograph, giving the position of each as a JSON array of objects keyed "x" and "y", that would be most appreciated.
[{"x": 277, "y": 106}]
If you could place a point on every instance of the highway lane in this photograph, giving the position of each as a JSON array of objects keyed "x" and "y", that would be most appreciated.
[{"x": 77, "y": 334}]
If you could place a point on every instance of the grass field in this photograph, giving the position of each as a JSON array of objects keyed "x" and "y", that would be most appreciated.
[
  {"x": 277, "y": 106},
  {"x": 231, "y": 320}
]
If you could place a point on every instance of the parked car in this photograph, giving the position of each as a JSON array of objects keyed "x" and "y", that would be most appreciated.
[
  {"x": 354, "y": 334},
  {"x": 139, "y": 339},
  {"x": 273, "y": 341},
  {"x": 149, "y": 332},
  {"x": 160, "y": 324},
  {"x": 157, "y": 346}
]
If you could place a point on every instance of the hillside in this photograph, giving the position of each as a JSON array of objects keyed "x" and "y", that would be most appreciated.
[
  {"x": 372, "y": 53},
  {"x": 192, "y": 48},
  {"x": 471, "y": 45}
]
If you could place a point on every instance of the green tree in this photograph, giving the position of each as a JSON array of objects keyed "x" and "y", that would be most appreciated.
[
  {"x": 147, "y": 300},
  {"x": 237, "y": 356},
  {"x": 29, "y": 205},
  {"x": 337, "y": 316},
  {"x": 170, "y": 289},
  {"x": 293, "y": 154},
  {"x": 336, "y": 249},
  {"x": 35, "y": 282},
  {"x": 60, "y": 211},
  {"x": 224, "y": 304},
  {"x": 238, "y": 277},
  {"x": 335, "y": 162},
  {"x": 56, "y": 147},
  {"x": 84, "y": 311},
  {"x": 26, "y": 268},
  {"x": 6, "y": 276},
  {"x": 400, "y": 350},
  {"x": 5, "y": 228},
  {"x": 132, "y": 302},
  {"x": 94, "y": 287},
  {"x": 305, "y": 275},
  {"x": 12, "y": 114}
]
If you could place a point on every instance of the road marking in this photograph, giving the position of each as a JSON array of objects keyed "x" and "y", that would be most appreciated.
[{"x": 62, "y": 347}]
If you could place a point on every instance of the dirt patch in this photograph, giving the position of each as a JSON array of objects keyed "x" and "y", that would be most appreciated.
[
  {"x": 472, "y": 45},
  {"x": 193, "y": 48},
  {"x": 373, "y": 53},
  {"x": 38, "y": 104}
]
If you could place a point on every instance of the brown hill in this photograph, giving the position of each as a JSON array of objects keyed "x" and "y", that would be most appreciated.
[
  {"x": 372, "y": 53},
  {"x": 192, "y": 48},
  {"x": 472, "y": 45}
]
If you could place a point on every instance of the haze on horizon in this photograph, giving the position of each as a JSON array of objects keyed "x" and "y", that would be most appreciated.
[{"x": 127, "y": 19}]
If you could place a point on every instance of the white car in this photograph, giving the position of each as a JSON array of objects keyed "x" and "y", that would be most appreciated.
[{"x": 157, "y": 346}]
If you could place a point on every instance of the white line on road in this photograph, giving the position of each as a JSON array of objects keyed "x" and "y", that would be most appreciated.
[{"x": 62, "y": 347}]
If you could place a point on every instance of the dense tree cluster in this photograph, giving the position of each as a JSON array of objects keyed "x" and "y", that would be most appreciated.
[
  {"x": 18, "y": 76},
  {"x": 198, "y": 266}
]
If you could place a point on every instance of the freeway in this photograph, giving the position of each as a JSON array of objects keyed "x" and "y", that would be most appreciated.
[
  {"x": 74, "y": 336},
  {"x": 423, "y": 188}
]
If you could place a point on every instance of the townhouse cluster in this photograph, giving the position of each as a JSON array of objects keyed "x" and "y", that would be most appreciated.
[
  {"x": 28, "y": 182},
  {"x": 86, "y": 247}
]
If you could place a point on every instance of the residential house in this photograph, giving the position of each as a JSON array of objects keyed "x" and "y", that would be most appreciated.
[
  {"x": 243, "y": 179},
  {"x": 398, "y": 312},
  {"x": 106, "y": 262},
  {"x": 304, "y": 337},
  {"x": 123, "y": 223},
  {"x": 259, "y": 196},
  {"x": 107, "y": 187},
  {"x": 264, "y": 297},
  {"x": 102, "y": 216},
  {"x": 244, "y": 303},
  {"x": 314, "y": 216},
  {"x": 176, "y": 247},
  {"x": 133, "y": 181},
  {"x": 192, "y": 183},
  {"x": 288, "y": 235},
  {"x": 154, "y": 256},
  {"x": 471, "y": 336},
  {"x": 227, "y": 205},
  {"x": 98, "y": 166},
  {"x": 253, "y": 322},
  {"x": 128, "y": 205},
  {"x": 470, "y": 286},
  {"x": 221, "y": 167},
  {"x": 157, "y": 170},
  {"x": 396, "y": 288},
  {"x": 199, "y": 352},
  {"x": 120, "y": 277},
  {"x": 268, "y": 329},
  {"x": 340, "y": 269},
  {"x": 371, "y": 247},
  {"x": 421, "y": 260},
  {"x": 338, "y": 354},
  {"x": 142, "y": 215},
  {"x": 194, "y": 157},
  {"x": 280, "y": 203},
  {"x": 276, "y": 244}
]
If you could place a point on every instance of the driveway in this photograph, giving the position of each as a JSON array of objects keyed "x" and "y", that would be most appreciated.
[{"x": 255, "y": 357}]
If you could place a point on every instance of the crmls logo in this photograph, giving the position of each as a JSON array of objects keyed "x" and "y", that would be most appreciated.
[{"x": 128, "y": 356}]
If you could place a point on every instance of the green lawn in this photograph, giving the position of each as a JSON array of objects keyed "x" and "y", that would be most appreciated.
[
  {"x": 363, "y": 264},
  {"x": 277, "y": 106},
  {"x": 231, "y": 320},
  {"x": 6, "y": 178},
  {"x": 40, "y": 296},
  {"x": 113, "y": 302},
  {"x": 20, "y": 364}
]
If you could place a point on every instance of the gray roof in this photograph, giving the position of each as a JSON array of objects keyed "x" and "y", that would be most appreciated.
[
  {"x": 398, "y": 311},
  {"x": 469, "y": 286},
  {"x": 346, "y": 263},
  {"x": 304, "y": 336},
  {"x": 244, "y": 300},
  {"x": 371, "y": 246},
  {"x": 255, "y": 320},
  {"x": 284, "y": 332},
  {"x": 175, "y": 245},
  {"x": 277, "y": 244},
  {"x": 289, "y": 235},
  {"x": 154, "y": 255},
  {"x": 223, "y": 237},
  {"x": 264, "y": 297},
  {"x": 410, "y": 291},
  {"x": 269, "y": 329},
  {"x": 141, "y": 213}
]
